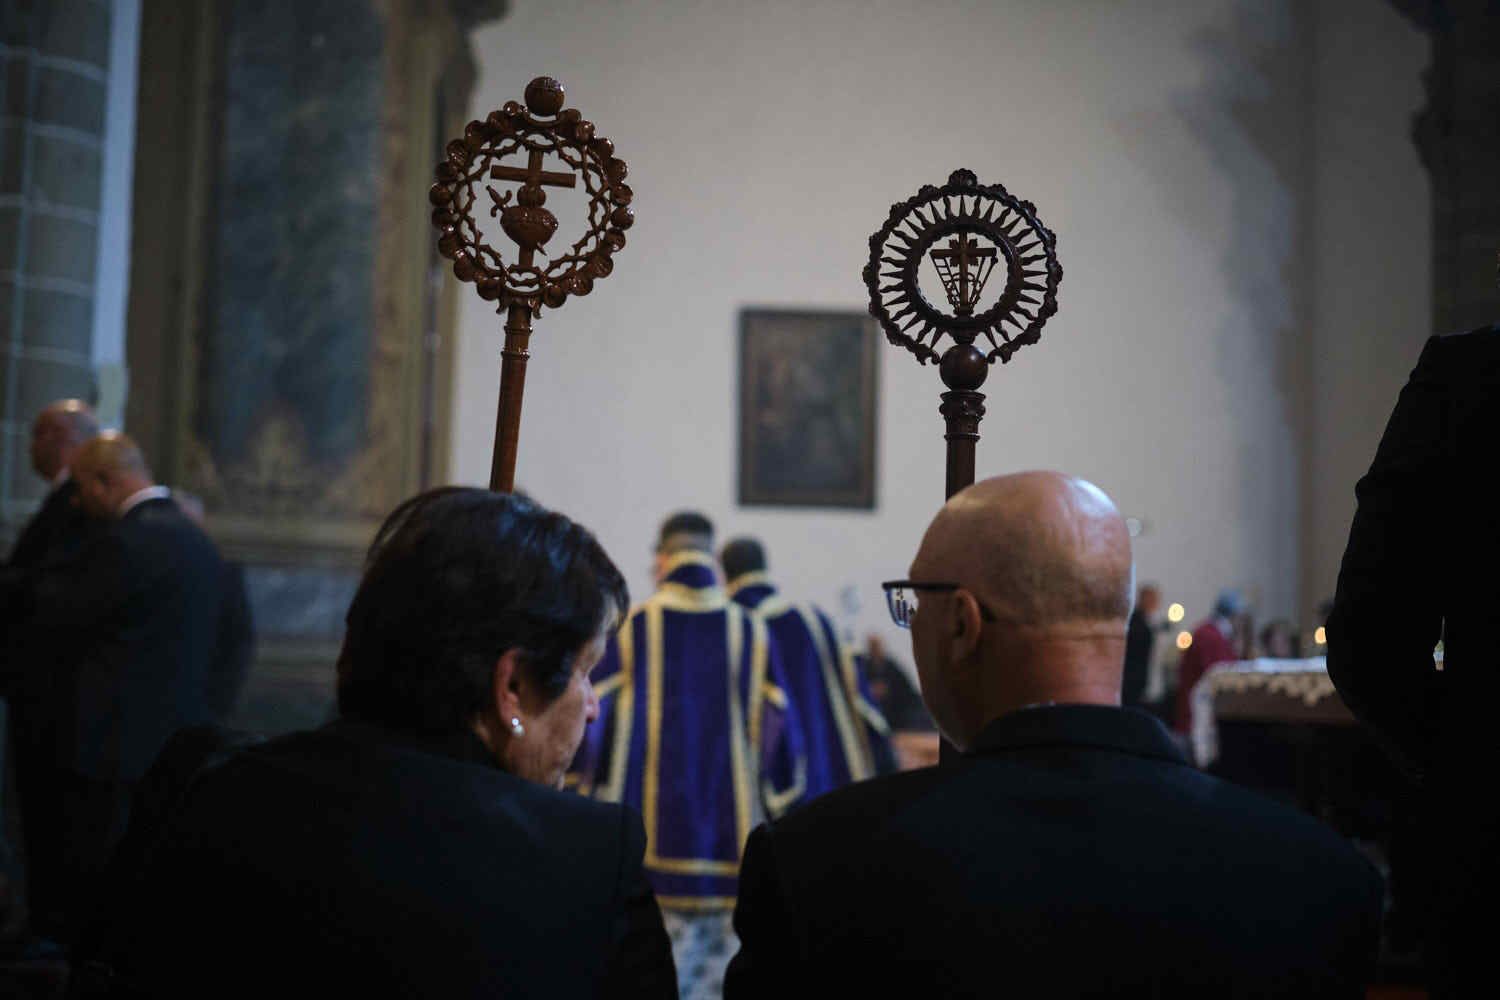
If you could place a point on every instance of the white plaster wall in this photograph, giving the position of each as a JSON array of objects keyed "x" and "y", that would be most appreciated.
[
  {"x": 1372, "y": 259},
  {"x": 1166, "y": 143}
]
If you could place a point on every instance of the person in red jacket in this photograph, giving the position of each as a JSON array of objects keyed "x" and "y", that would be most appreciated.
[{"x": 1213, "y": 642}]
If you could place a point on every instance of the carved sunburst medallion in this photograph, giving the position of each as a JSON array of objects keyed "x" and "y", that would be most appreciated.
[{"x": 971, "y": 236}]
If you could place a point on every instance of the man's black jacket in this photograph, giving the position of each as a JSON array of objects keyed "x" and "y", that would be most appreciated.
[
  {"x": 122, "y": 635},
  {"x": 1072, "y": 853}
]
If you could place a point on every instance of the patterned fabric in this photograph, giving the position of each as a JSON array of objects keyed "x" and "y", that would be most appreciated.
[
  {"x": 696, "y": 732},
  {"x": 702, "y": 945},
  {"x": 1301, "y": 682},
  {"x": 839, "y": 718}
]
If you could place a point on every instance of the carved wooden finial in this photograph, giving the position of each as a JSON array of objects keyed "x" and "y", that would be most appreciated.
[
  {"x": 517, "y": 282},
  {"x": 545, "y": 96},
  {"x": 969, "y": 232}
]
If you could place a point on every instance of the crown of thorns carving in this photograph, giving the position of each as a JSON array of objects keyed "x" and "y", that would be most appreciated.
[
  {"x": 464, "y": 189},
  {"x": 941, "y": 223}
]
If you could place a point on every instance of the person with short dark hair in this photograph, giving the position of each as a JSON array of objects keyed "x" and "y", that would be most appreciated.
[
  {"x": 1070, "y": 851},
  {"x": 841, "y": 727},
  {"x": 420, "y": 844},
  {"x": 698, "y": 732}
]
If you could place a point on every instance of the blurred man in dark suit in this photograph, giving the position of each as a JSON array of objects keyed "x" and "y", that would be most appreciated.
[
  {"x": 1140, "y": 639},
  {"x": 57, "y": 528},
  {"x": 1071, "y": 850},
  {"x": 131, "y": 622},
  {"x": 56, "y": 435},
  {"x": 235, "y": 646},
  {"x": 1420, "y": 568}
]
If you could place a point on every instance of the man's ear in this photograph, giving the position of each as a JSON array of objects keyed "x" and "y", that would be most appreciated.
[
  {"x": 964, "y": 624},
  {"x": 509, "y": 687}
]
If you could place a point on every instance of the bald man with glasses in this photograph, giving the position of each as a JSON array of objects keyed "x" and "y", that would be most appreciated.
[{"x": 1070, "y": 850}]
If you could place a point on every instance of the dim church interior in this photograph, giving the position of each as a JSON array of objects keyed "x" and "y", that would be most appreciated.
[{"x": 213, "y": 224}]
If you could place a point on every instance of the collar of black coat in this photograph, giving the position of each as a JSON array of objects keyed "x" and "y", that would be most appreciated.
[
  {"x": 1104, "y": 726},
  {"x": 463, "y": 746}
]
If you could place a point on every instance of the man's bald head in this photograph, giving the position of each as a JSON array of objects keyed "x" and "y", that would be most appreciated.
[
  {"x": 1043, "y": 566},
  {"x": 1038, "y": 549},
  {"x": 57, "y": 433},
  {"x": 108, "y": 469}
]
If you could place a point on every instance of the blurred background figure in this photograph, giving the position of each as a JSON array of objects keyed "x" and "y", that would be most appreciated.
[
  {"x": 58, "y": 525},
  {"x": 1140, "y": 642},
  {"x": 696, "y": 730},
  {"x": 1213, "y": 642},
  {"x": 234, "y": 647},
  {"x": 130, "y": 622},
  {"x": 58, "y": 528},
  {"x": 1419, "y": 571},
  {"x": 1279, "y": 641},
  {"x": 914, "y": 737},
  {"x": 840, "y": 724}
]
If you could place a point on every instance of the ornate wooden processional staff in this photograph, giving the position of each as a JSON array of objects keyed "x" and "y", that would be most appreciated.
[
  {"x": 520, "y": 288},
  {"x": 969, "y": 231}
]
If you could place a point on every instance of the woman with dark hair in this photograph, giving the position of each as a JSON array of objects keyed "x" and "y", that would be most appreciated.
[{"x": 419, "y": 846}]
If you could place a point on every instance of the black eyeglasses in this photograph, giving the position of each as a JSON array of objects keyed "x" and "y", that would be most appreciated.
[{"x": 902, "y": 606}]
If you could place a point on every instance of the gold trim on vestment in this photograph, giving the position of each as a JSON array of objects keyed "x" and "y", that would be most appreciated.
[
  {"x": 772, "y": 607},
  {"x": 744, "y": 580},
  {"x": 606, "y": 687},
  {"x": 856, "y": 758},
  {"x": 697, "y": 904},
  {"x": 681, "y": 597},
  {"x": 874, "y": 718},
  {"x": 688, "y": 557},
  {"x": 614, "y": 788},
  {"x": 651, "y": 777},
  {"x": 746, "y": 755},
  {"x": 778, "y": 803},
  {"x": 760, "y": 655}
]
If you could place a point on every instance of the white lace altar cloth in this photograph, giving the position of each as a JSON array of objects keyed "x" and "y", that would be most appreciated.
[{"x": 1300, "y": 685}]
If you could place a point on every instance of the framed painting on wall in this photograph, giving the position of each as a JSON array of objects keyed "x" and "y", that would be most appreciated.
[{"x": 807, "y": 409}]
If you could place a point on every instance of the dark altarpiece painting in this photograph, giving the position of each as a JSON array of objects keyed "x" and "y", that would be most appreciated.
[
  {"x": 807, "y": 409},
  {"x": 289, "y": 333}
]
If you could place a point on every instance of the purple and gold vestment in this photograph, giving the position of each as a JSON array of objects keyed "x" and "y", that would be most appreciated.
[{"x": 695, "y": 731}]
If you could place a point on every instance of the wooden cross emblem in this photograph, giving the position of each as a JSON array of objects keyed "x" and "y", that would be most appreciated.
[
  {"x": 953, "y": 264},
  {"x": 520, "y": 286}
]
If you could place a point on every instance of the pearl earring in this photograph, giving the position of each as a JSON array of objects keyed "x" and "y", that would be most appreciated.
[{"x": 516, "y": 728}]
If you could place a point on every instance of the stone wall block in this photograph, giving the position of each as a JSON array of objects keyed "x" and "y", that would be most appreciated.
[
  {"x": 60, "y": 321},
  {"x": 10, "y": 232},
  {"x": 65, "y": 172},
  {"x": 13, "y": 69},
  {"x": 305, "y": 603},
  {"x": 43, "y": 381},
  {"x": 66, "y": 98},
  {"x": 15, "y": 451},
  {"x": 12, "y": 158},
  {"x": 76, "y": 29},
  {"x": 61, "y": 247}
]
